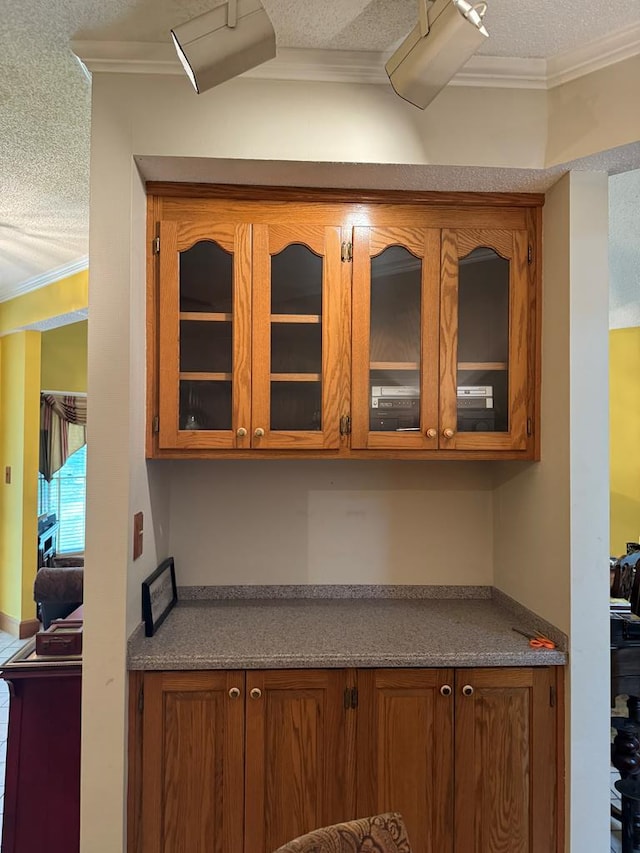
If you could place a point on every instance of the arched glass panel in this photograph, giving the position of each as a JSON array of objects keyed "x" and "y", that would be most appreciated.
[
  {"x": 395, "y": 341},
  {"x": 206, "y": 337},
  {"x": 296, "y": 339},
  {"x": 483, "y": 342}
]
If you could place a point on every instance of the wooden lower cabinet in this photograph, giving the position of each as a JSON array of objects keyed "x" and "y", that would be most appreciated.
[{"x": 245, "y": 761}]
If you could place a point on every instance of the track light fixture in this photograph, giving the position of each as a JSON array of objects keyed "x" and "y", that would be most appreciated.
[
  {"x": 224, "y": 42},
  {"x": 447, "y": 34}
]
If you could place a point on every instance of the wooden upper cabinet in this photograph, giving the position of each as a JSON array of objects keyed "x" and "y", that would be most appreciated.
[
  {"x": 396, "y": 284},
  {"x": 506, "y": 761},
  {"x": 297, "y": 337},
  {"x": 484, "y": 340},
  {"x": 204, "y": 379},
  {"x": 342, "y": 329},
  {"x": 193, "y": 762},
  {"x": 300, "y": 752}
]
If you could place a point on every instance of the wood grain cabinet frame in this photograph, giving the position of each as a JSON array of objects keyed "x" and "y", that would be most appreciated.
[
  {"x": 244, "y": 761},
  {"x": 249, "y": 376}
]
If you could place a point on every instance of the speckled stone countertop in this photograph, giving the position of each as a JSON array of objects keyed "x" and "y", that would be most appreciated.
[{"x": 314, "y": 632}]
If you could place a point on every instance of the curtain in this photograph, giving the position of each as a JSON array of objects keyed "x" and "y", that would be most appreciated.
[{"x": 63, "y": 430}]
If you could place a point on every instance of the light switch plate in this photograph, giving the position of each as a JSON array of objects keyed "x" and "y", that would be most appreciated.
[{"x": 138, "y": 524}]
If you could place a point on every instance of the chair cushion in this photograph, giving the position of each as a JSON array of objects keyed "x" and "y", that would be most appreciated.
[{"x": 385, "y": 833}]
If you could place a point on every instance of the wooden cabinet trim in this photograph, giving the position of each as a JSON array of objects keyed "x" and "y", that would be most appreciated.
[{"x": 230, "y": 192}]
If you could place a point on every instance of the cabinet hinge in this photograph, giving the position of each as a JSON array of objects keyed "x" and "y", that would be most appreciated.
[
  {"x": 347, "y": 252},
  {"x": 141, "y": 699},
  {"x": 530, "y": 254},
  {"x": 529, "y": 426},
  {"x": 155, "y": 424},
  {"x": 345, "y": 425},
  {"x": 350, "y": 698},
  {"x": 156, "y": 245},
  {"x": 552, "y": 696}
]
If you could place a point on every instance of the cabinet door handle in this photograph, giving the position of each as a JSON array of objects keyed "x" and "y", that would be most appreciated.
[
  {"x": 467, "y": 690},
  {"x": 432, "y": 433},
  {"x": 234, "y": 693},
  {"x": 259, "y": 432},
  {"x": 256, "y": 693},
  {"x": 241, "y": 432},
  {"x": 446, "y": 690},
  {"x": 448, "y": 433}
]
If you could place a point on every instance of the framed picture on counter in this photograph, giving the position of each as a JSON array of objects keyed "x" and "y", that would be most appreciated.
[{"x": 159, "y": 594}]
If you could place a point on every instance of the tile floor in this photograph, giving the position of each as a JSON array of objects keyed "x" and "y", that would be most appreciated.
[{"x": 8, "y": 646}]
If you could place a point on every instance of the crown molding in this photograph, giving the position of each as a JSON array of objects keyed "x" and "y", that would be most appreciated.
[
  {"x": 46, "y": 278},
  {"x": 598, "y": 54},
  {"x": 359, "y": 66}
]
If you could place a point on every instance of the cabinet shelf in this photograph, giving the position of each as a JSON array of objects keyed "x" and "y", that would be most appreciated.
[
  {"x": 394, "y": 365},
  {"x": 482, "y": 365},
  {"x": 295, "y": 377},
  {"x": 206, "y": 317},
  {"x": 206, "y": 377},
  {"x": 314, "y": 319}
]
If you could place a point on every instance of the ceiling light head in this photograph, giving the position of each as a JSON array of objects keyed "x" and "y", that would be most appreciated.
[
  {"x": 225, "y": 42},
  {"x": 445, "y": 37}
]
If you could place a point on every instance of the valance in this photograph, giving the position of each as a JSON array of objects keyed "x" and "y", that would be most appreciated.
[{"x": 63, "y": 430}]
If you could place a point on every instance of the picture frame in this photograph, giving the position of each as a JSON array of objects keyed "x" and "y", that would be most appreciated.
[{"x": 159, "y": 594}]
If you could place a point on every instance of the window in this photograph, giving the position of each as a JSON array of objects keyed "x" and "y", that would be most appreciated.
[{"x": 66, "y": 496}]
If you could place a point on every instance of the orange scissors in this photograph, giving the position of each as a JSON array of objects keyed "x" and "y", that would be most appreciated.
[{"x": 537, "y": 641}]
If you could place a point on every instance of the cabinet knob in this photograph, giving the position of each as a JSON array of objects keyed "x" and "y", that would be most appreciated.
[
  {"x": 256, "y": 693},
  {"x": 259, "y": 432},
  {"x": 446, "y": 690},
  {"x": 432, "y": 433},
  {"x": 467, "y": 690},
  {"x": 234, "y": 692},
  {"x": 448, "y": 433},
  {"x": 241, "y": 432}
]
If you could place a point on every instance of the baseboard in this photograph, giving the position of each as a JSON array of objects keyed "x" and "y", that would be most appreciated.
[{"x": 21, "y": 630}]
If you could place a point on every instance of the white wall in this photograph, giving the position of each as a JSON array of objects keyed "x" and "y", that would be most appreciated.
[
  {"x": 624, "y": 250},
  {"x": 551, "y": 523}
]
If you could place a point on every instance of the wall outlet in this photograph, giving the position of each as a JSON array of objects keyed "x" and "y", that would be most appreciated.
[{"x": 7, "y": 474}]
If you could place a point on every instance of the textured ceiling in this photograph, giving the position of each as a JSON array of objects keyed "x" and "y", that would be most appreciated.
[{"x": 45, "y": 96}]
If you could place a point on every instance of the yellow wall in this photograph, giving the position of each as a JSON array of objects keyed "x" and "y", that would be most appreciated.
[
  {"x": 624, "y": 410},
  {"x": 62, "y": 297},
  {"x": 20, "y": 384},
  {"x": 64, "y": 358},
  {"x": 19, "y": 447}
]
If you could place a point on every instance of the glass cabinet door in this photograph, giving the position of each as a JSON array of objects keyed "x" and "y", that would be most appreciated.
[
  {"x": 484, "y": 340},
  {"x": 205, "y": 304},
  {"x": 297, "y": 337},
  {"x": 396, "y": 283}
]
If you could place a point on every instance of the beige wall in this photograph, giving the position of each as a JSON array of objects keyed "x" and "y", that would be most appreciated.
[
  {"x": 552, "y": 519},
  {"x": 331, "y": 522}
]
